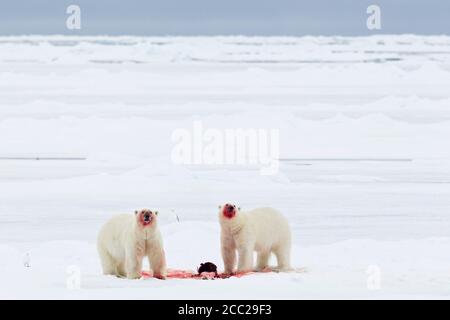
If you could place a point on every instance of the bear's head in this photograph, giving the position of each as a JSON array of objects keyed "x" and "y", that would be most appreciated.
[
  {"x": 145, "y": 217},
  {"x": 228, "y": 210}
]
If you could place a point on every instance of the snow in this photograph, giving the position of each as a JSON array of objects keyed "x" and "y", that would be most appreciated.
[{"x": 364, "y": 181}]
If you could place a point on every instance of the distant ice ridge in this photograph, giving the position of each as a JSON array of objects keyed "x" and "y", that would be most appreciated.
[{"x": 230, "y": 49}]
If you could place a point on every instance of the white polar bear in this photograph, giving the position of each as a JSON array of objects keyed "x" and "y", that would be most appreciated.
[
  {"x": 263, "y": 230},
  {"x": 124, "y": 241}
]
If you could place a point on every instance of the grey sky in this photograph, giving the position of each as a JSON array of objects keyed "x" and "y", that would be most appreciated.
[{"x": 224, "y": 17}]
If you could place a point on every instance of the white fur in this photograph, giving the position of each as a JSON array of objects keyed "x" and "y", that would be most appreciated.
[
  {"x": 123, "y": 243},
  {"x": 263, "y": 230}
]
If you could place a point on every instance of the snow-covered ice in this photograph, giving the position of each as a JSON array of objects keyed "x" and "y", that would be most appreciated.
[{"x": 364, "y": 179}]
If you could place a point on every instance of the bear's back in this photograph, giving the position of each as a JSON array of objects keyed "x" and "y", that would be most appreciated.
[
  {"x": 115, "y": 226},
  {"x": 270, "y": 225}
]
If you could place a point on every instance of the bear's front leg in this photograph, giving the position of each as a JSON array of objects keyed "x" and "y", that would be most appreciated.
[
  {"x": 157, "y": 259},
  {"x": 228, "y": 256},
  {"x": 133, "y": 265},
  {"x": 245, "y": 263}
]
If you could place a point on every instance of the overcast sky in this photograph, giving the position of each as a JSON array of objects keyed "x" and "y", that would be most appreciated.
[{"x": 224, "y": 17}]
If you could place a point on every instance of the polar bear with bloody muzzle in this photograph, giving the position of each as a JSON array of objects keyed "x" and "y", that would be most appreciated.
[
  {"x": 263, "y": 230},
  {"x": 126, "y": 239}
]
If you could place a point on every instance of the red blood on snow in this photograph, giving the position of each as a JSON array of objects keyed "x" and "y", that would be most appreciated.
[{"x": 187, "y": 274}]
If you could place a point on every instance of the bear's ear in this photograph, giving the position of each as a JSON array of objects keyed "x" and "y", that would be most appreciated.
[
  {"x": 220, "y": 207},
  {"x": 239, "y": 208},
  {"x": 136, "y": 212},
  {"x": 156, "y": 212}
]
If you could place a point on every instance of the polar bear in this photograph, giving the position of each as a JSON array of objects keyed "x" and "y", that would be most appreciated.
[
  {"x": 126, "y": 239},
  {"x": 263, "y": 230}
]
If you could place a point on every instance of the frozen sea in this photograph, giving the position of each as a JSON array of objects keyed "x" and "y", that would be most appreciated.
[{"x": 86, "y": 128}]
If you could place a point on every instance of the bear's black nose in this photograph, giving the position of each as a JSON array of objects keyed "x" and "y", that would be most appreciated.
[
  {"x": 146, "y": 217},
  {"x": 230, "y": 208}
]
